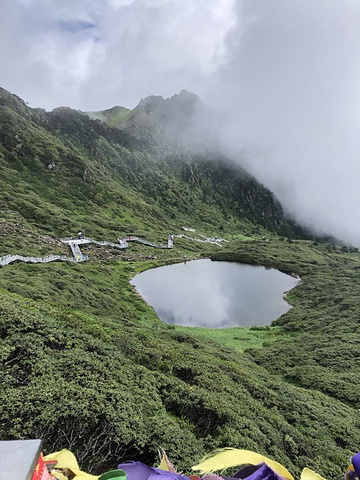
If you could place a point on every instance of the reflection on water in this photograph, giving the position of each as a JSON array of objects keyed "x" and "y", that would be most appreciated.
[{"x": 210, "y": 294}]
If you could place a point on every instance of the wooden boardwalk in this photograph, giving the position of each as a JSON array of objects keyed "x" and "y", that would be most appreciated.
[
  {"x": 49, "y": 258},
  {"x": 123, "y": 243},
  {"x": 215, "y": 241},
  {"x": 74, "y": 245},
  {"x": 170, "y": 243}
]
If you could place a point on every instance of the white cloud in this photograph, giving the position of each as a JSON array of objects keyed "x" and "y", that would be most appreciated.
[
  {"x": 285, "y": 73},
  {"x": 112, "y": 51},
  {"x": 120, "y": 3},
  {"x": 291, "y": 90},
  {"x": 46, "y": 48},
  {"x": 153, "y": 47}
]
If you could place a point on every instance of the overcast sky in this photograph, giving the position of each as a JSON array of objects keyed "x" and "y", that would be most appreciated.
[{"x": 284, "y": 73}]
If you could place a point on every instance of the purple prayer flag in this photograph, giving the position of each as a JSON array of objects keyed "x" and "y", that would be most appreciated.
[
  {"x": 263, "y": 472},
  {"x": 140, "y": 471}
]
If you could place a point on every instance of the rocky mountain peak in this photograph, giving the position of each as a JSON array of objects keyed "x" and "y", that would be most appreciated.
[{"x": 150, "y": 104}]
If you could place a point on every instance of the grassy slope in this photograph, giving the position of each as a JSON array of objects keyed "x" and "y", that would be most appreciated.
[
  {"x": 239, "y": 338},
  {"x": 90, "y": 367},
  {"x": 62, "y": 172},
  {"x": 87, "y": 365},
  {"x": 321, "y": 352},
  {"x": 113, "y": 116}
]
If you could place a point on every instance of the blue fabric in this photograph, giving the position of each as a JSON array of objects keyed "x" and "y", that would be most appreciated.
[
  {"x": 140, "y": 471},
  {"x": 356, "y": 462},
  {"x": 263, "y": 472}
]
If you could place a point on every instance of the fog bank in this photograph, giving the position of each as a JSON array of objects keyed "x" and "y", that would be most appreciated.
[
  {"x": 283, "y": 76},
  {"x": 291, "y": 94}
]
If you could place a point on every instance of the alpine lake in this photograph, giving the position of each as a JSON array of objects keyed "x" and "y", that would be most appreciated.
[{"x": 203, "y": 293}]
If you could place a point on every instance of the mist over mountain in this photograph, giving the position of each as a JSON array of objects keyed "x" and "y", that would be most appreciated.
[
  {"x": 269, "y": 144},
  {"x": 182, "y": 119},
  {"x": 66, "y": 158},
  {"x": 88, "y": 365},
  {"x": 283, "y": 75}
]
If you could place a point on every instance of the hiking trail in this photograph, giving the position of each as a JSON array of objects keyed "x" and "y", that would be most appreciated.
[{"x": 123, "y": 243}]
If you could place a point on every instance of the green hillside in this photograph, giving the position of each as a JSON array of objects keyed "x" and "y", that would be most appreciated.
[
  {"x": 62, "y": 171},
  {"x": 87, "y": 365}
]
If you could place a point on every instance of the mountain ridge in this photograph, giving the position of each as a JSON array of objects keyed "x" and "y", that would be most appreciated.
[
  {"x": 182, "y": 119},
  {"x": 85, "y": 362},
  {"x": 98, "y": 161}
]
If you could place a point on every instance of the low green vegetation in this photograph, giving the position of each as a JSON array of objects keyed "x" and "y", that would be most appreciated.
[
  {"x": 321, "y": 352},
  {"x": 114, "y": 117},
  {"x": 239, "y": 338},
  {"x": 88, "y": 365},
  {"x": 85, "y": 362}
]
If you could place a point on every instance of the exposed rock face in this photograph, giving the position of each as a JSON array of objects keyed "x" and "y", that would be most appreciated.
[
  {"x": 181, "y": 119},
  {"x": 63, "y": 162}
]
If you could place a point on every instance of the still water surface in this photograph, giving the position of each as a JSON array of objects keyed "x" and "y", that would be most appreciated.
[{"x": 203, "y": 293}]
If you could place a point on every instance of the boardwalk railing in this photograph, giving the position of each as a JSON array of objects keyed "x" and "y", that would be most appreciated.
[
  {"x": 86, "y": 240},
  {"x": 214, "y": 241},
  {"x": 78, "y": 256},
  {"x": 49, "y": 258},
  {"x": 120, "y": 245},
  {"x": 145, "y": 242}
]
